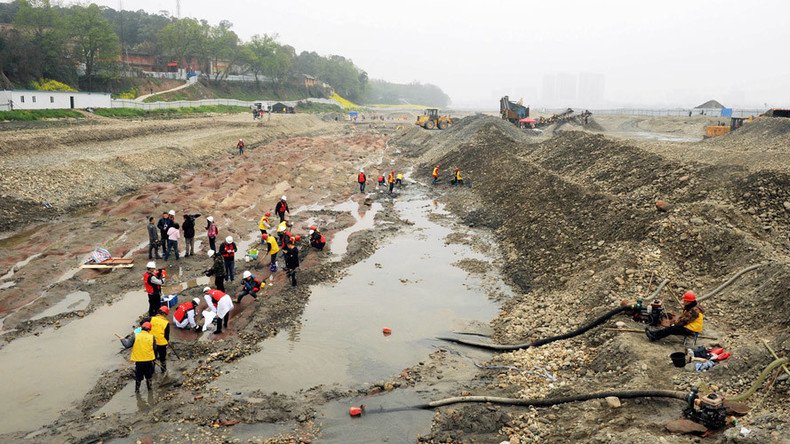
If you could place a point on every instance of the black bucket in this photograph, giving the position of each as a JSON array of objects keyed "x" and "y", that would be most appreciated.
[{"x": 678, "y": 359}]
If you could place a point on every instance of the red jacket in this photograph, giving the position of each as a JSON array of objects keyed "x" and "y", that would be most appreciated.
[
  {"x": 362, "y": 178},
  {"x": 216, "y": 295},
  {"x": 228, "y": 250},
  {"x": 182, "y": 310}
]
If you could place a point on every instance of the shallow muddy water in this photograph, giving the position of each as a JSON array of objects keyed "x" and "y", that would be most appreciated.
[
  {"x": 408, "y": 285},
  {"x": 50, "y": 372}
]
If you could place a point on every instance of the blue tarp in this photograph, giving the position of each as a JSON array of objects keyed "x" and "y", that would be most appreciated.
[
  {"x": 726, "y": 112},
  {"x": 353, "y": 114}
]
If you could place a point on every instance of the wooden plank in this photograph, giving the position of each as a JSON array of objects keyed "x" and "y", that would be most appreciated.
[{"x": 105, "y": 267}]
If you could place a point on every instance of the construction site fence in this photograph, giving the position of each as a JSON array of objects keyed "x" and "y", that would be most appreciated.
[
  {"x": 677, "y": 112},
  {"x": 120, "y": 103}
]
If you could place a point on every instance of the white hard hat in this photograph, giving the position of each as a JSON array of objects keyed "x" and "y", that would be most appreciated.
[
  {"x": 311, "y": 232},
  {"x": 283, "y": 198},
  {"x": 229, "y": 239},
  {"x": 210, "y": 218},
  {"x": 151, "y": 264},
  {"x": 196, "y": 301},
  {"x": 241, "y": 140},
  {"x": 361, "y": 170},
  {"x": 210, "y": 253},
  {"x": 246, "y": 274},
  {"x": 206, "y": 289},
  {"x": 172, "y": 212}
]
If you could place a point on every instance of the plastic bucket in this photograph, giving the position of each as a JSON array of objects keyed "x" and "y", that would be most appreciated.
[{"x": 678, "y": 359}]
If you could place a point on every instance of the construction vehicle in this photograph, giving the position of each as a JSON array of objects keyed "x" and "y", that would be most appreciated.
[
  {"x": 431, "y": 119},
  {"x": 512, "y": 111}
]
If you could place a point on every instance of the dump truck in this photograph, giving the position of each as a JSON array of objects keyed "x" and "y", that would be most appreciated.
[
  {"x": 431, "y": 119},
  {"x": 512, "y": 111}
]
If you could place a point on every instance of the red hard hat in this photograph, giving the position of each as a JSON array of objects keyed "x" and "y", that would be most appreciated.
[
  {"x": 287, "y": 234},
  {"x": 313, "y": 227},
  {"x": 164, "y": 309},
  {"x": 264, "y": 236},
  {"x": 292, "y": 239},
  {"x": 298, "y": 238},
  {"x": 146, "y": 325},
  {"x": 689, "y": 296},
  {"x": 268, "y": 213}
]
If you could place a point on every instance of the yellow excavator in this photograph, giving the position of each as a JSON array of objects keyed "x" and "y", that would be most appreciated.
[{"x": 431, "y": 119}]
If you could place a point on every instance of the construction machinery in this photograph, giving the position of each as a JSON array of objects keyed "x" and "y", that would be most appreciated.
[
  {"x": 431, "y": 119},
  {"x": 512, "y": 111}
]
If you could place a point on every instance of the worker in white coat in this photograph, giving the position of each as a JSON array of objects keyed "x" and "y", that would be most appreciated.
[{"x": 221, "y": 304}]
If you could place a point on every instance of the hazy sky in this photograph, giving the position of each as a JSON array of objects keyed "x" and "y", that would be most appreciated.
[{"x": 660, "y": 53}]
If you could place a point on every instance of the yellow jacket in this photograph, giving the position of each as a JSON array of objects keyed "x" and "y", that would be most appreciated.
[
  {"x": 282, "y": 226},
  {"x": 264, "y": 223},
  {"x": 696, "y": 324},
  {"x": 458, "y": 175},
  {"x": 400, "y": 176},
  {"x": 275, "y": 248},
  {"x": 158, "y": 325},
  {"x": 143, "y": 348},
  {"x": 435, "y": 172}
]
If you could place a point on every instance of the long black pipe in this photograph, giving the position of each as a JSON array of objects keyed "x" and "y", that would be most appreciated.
[
  {"x": 547, "y": 402},
  {"x": 510, "y": 347}
]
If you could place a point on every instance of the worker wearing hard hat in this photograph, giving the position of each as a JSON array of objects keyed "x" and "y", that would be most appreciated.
[
  {"x": 273, "y": 249},
  {"x": 688, "y": 324},
  {"x": 361, "y": 180},
  {"x": 153, "y": 279},
  {"x": 143, "y": 356},
  {"x": 457, "y": 178},
  {"x": 184, "y": 315},
  {"x": 221, "y": 304},
  {"x": 240, "y": 146},
  {"x": 435, "y": 175},
  {"x": 317, "y": 240},
  {"x": 228, "y": 251},
  {"x": 249, "y": 286},
  {"x": 217, "y": 270},
  {"x": 391, "y": 180},
  {"x": 281, "y": 207},
  {"x": 263, "y": 224},
  {"x": 160, "y": 328},
  {"x": 291, "y": 255}
]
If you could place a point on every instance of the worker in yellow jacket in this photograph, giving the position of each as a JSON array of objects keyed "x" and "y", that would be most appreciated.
[
  {"x": 457, "y": 179},
  {"x": 273, "y": 248},
  {"x": 689, "y": 322},
  {"x": 263, "y": 224},
  {"x": 160, "y": 328},
  {"x": 143, "y": 357}
]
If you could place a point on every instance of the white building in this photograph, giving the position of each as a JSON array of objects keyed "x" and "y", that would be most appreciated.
[{"x": 22, "y": 99}]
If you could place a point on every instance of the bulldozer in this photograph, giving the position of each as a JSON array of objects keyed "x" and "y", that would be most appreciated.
[{"x": 431, "y": 119}]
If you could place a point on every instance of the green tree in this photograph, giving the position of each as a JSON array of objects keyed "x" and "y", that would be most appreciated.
[
  {"x": 257, "y": 52},
  {"x": 94, "y": 43},
  {"x": 183, "y": 39},
  {"x": 43, "y": 27},
  {"x": 222, "y": 48}
]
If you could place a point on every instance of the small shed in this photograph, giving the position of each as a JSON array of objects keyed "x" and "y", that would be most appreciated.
[
  {"x": 710, "y": 108},
  {"x": 280, "y": 107}
]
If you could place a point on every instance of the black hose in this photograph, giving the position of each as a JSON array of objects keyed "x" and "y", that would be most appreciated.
[
  {"x": 583, "y": 329},
  {"x": 547, "y": 402}
]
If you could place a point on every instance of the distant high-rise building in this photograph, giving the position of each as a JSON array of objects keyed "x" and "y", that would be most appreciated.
[
  {"x": 591, "y": 89},
  {"x": 566, "y": 89},
  {"x": 549, "y": 91}
]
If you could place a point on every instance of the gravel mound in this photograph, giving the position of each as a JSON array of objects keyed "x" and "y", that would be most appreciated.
[{"x": 764, "y": 134}]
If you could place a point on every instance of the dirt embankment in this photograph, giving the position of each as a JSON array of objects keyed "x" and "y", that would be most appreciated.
[
  {"x": 576, "y": 218},
  {"x": 72, "y": 167}
]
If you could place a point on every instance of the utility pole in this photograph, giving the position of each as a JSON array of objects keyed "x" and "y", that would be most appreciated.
[{"x": 178, "y": 9}]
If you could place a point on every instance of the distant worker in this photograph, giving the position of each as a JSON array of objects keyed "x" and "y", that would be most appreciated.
[
  {"x": 381, "y": 181},
  {"x": 291, "y": 254},
  {"x": 361, "y": 179},
  {"x": 688, "y": 324},
  {"x": 160, "y": 328},
  {"x": 228, "y": 251},
  {"x": 211, "y": 232},
  {"x": 153, "y": 279},
  {"x": 435, "y": 175},
  {"x": 249, "y": 286},
  {"x": 163, "y": 224},
  {"x": 273, "y": 249},
  {"x": 143, "y": 356},
  {"x": 317, "y": 240},
  {"x": 457, "y": 179},
  {"x": 391, "y": 180},
  {"x": 189, "y": 234},
  {"x": 173, "y": 235},
  {"x": 240, "y": 146},
  {"x": 221, "y": 304},
  {"x": 217, "y": 269},
  {"x": 399, "y": 180},
  {"x": 263, "y": 224},
  {"x": 184, "y": 315},
  {"x": 153, "y": 240},
  {"x": 282, "y": 227},
  {"x": 281, "y": 208}
]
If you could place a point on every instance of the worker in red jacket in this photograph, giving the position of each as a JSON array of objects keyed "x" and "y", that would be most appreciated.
[
  {"x": 185, "y": 314},
  {"x": 228, "y": 251},
  {"x": 361, "y": 179},
  {"x": 281, "y": 208},
  {"x": 153, "y": 279}
]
